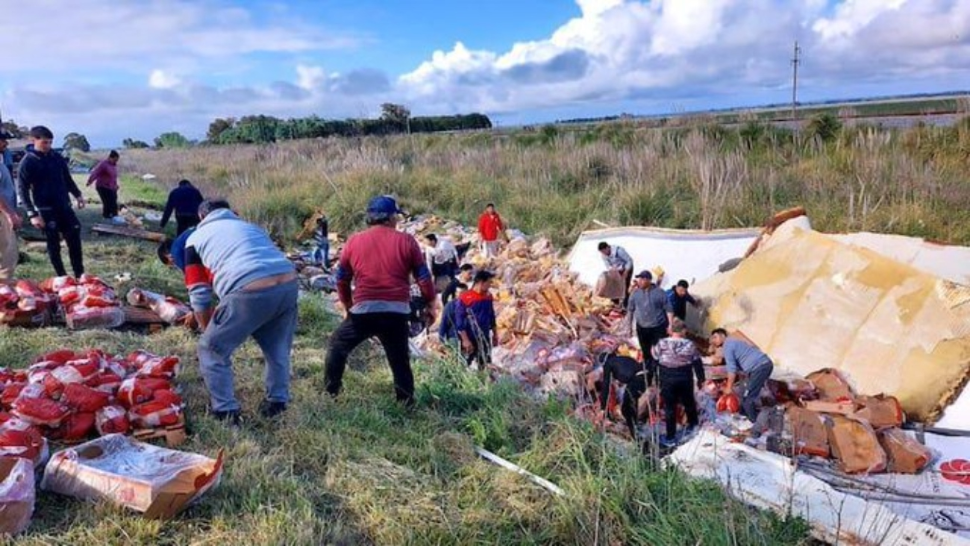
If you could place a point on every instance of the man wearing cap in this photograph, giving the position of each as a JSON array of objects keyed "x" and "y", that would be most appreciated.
[
  {"x": 475, "y": 321},
  {"x": 46, "y": 185},
  {"x": 650, "y": 313},
  {"x": 257, "y": 290},
  {"x": 374, "y": 285},
  {"x": 619, "y": 260},
  {"x": 10, "y": 220}
]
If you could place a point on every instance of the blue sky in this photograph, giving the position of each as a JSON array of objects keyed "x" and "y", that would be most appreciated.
[{"x": 135, "y": 68}]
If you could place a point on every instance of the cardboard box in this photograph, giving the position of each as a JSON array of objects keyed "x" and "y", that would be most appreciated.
[
  {"x": 156, "y": 481},
  {"x": 16, "y": 495}
]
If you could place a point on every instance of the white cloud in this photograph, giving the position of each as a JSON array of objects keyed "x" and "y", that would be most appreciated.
[
  {"x": 658, "y": 53},
  {"x": 160, "y": 79}
]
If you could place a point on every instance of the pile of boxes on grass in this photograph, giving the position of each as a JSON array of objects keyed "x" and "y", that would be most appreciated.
[
  {"x": 67, "y": 398},
  {"x": 83, "y": 303}
]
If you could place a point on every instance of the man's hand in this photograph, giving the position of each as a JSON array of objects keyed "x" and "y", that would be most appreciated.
[
  {"x": 81, "y": 203},
  {"x": 494, "y": 339},
  {"x": 37, "y": 222},
  {"x": 467, "y": 347},
  {"x": 14, "y": 220}
]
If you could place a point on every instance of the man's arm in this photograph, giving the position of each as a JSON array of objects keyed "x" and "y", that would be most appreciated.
[
  {"x": 669, "y": 309},
  {"x": 731, "y": 361},
  {"x": 10, "y": 213},
  {"x": 345, "y": 274},
  {"x": 71, "y": 184},
  {"x": 624, "y": 256},
  {"x": 169, "y": 206},
  {"x": 198, "y": 281},
  {"x": 95, "y": 172},
  {"x": 24, "y": 183},
  {"x": 422, "y": 274}
]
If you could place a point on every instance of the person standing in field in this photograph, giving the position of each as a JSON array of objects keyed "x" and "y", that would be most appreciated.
[
  {"x": 490, "y": 228},
  {"x": 444, "y": 260},
  {"x": 10, "y": 220},
  {"x": 104, "y": 176},
  {"x": 740, "y": 356},
  {"x": 649, "y": 314},
  {"x": 46, "y": 186},
  {"x": 321, "y": 239},
  {"x": 678, "y": 361},
  {"x": 184, "y": 201},
  {"x": 257, "y": 290},
  {"x": 374, "y": 285},
  {"x": 475, "y": 320},
  {"x": 619, "y": 260},
  {"x": 679, "y": 298}
]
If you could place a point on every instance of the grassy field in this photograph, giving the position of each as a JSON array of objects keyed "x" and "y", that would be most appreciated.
[
  {"x": 362, "y": 470},
  {"x": 555, "y": 183}
]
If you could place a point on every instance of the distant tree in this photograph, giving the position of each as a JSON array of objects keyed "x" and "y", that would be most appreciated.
[
  {"x": 218, "y": 127},
  {"x": 11, "y": 128},
  {"x": 133, "y": 144},
  {"x": 395, "y": 114},
  {"x": 172, "y": 139},
  {"x": 76, "y": 141}
]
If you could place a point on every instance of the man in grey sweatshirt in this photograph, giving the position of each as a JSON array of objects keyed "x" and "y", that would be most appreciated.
[
  {"x": 257, "y": 290},
  {"x": 649, "y": 314}
]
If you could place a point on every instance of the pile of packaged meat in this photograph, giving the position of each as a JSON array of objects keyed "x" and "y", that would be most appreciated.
[
  {"x": 83, "y": 303},
  {"x": 69, "y": 397},
  {"x": 87, "y": 302}
]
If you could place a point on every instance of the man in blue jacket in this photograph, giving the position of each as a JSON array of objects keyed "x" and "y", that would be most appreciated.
[
  {"x": 679, "y": 297},
  {"x": 184, "y": 201},
  {"x": 46, "y": 186},
  {"x": 475, "y": 320}
]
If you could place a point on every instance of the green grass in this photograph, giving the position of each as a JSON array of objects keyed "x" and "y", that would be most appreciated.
[{"x": 362, "y": 470}]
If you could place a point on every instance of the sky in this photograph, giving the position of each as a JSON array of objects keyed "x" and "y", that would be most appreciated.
[{"x": 112, "y": 69}]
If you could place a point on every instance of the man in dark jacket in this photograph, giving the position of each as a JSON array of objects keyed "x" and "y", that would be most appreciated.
[
  {"x": 184, "y": 201},
  {"x": 475, "y": 320},
  {"x": 46, "y": 185}
]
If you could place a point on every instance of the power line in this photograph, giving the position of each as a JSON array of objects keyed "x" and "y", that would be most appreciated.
[{"x": 794, "y": 85}]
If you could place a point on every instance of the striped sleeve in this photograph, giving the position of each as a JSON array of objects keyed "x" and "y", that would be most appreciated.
[{"x": 198, "y": 280}]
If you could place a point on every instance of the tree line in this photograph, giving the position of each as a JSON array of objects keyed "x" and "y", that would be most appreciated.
[{"x": 261, "y": 129}]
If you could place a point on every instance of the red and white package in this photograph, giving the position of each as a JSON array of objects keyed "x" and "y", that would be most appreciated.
[
  {"x": 6, "y": 376},
  {"x": 8, "y": 297},
  {"x": 19, "y": 438},
  {"x": 62, "y": 356},
  {"x": 165, "y": 396},
  {"x": 75, "y": 427},
  {"x": 83, "y": 318},
  {"x": 39, "y": 411},
  {"x": 84, "y": 399},
  {"x": 56, "y": 284},
  {"x": 107, "y": 382},
  {"x": 160, "y": 367},
  {"x": 112, "y": 420},
  {"x": 11, "y": 392},
  {"x": 154, "y": 414},
  {"x": 137, "y": 390}
]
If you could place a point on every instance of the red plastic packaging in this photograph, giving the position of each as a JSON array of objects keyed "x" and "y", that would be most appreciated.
[
  {"x": 83, "y": 398},
  {"x": 111, "y": 420}
]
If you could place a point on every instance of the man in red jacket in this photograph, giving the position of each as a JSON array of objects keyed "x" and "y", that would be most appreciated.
[
  {"x": 374, "y": 285},
  {"x": 490, "y": 227}
]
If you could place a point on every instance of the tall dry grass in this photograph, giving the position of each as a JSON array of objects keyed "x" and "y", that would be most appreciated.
[{"x": 555, "y": 182}]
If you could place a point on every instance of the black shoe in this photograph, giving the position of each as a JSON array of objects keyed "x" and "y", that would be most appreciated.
[
  {"x": 230, "y": 418},
  {"x": 269, "y": 409}
]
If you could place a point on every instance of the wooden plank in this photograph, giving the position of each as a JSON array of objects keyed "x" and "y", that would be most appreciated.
[
  {"x": 125, "y": 231},
  {"x": 138, "y": 315}
]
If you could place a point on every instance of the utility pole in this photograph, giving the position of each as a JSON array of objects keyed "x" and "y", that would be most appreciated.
[{"x": 794, "y": 85}]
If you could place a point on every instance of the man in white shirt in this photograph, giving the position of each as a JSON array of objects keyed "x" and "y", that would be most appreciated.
[
  {"x": 444, "y": 260},
  {"x": 617, "y": 259}
]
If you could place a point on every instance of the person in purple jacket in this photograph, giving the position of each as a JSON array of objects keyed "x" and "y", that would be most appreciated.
[{"x": 104, "y": 176}]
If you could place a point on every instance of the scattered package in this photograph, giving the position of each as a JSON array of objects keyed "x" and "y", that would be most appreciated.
[
  {"x": 16, "y": 495},
  {"x": 24, "y": 304},
  {"x": 155, "y": 481},
  {"x": 69, "y": 397},
  {"x": 170, "y": 309}
]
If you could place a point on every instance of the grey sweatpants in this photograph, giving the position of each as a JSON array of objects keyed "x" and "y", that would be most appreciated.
[{"x": 269, "y": 316}]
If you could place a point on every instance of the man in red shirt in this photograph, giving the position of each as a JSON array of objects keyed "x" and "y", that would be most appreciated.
[
  {"x": 373, "y": 283},
  {"x": 490, "y": 227}
]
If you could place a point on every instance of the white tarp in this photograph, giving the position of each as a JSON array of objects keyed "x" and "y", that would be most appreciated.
[
  {"x": 773, "y": 482},
  {"x": 944, "y": 261},
  {"x": 683, "y": 254}
]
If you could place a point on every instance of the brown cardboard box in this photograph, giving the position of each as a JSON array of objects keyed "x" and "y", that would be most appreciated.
[
  {"x": 16, "y": 495},
  {"x": 906, "y": 455},
  {"x": 856, "y": 446},
  {"x": 808, "y": 432},
  {"x": 156, "y": 481}
]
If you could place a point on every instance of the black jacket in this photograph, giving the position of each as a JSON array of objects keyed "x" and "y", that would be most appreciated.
[
  {"x": 45, "y": 183},
  {"x": 183, "y": 201}
]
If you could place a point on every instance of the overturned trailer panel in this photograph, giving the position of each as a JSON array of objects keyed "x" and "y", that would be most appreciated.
[
  {"x": 683, "y": 254},
  {"x": 812, "y": 300}
]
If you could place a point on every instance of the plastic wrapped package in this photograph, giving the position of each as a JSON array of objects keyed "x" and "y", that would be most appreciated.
[
  {"x": 77, "y": 426},
  {"x": 138, "y": 390},
  {"x": 83, "y": 398},
  {"x": 83, "y": 318},
  {"x": 156, "y": 481},
  {"x": 112, "y": 420},
  {"x": 880, "y": 411},
  {"x": 19, "y": 438},
  {"x": 906, "y": 455},
  {"x": 154, "y": 414},
  {"x": 169, "y": 309},
  {"x": 40, "y": 411},
  {"x": 856, "y": 446},
  {"x": 17, "y": 495},
  {"x": 10, "y": 393}
]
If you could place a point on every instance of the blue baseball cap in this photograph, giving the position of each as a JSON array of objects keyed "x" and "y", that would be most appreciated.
[{"x": 383, "y": 205}]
